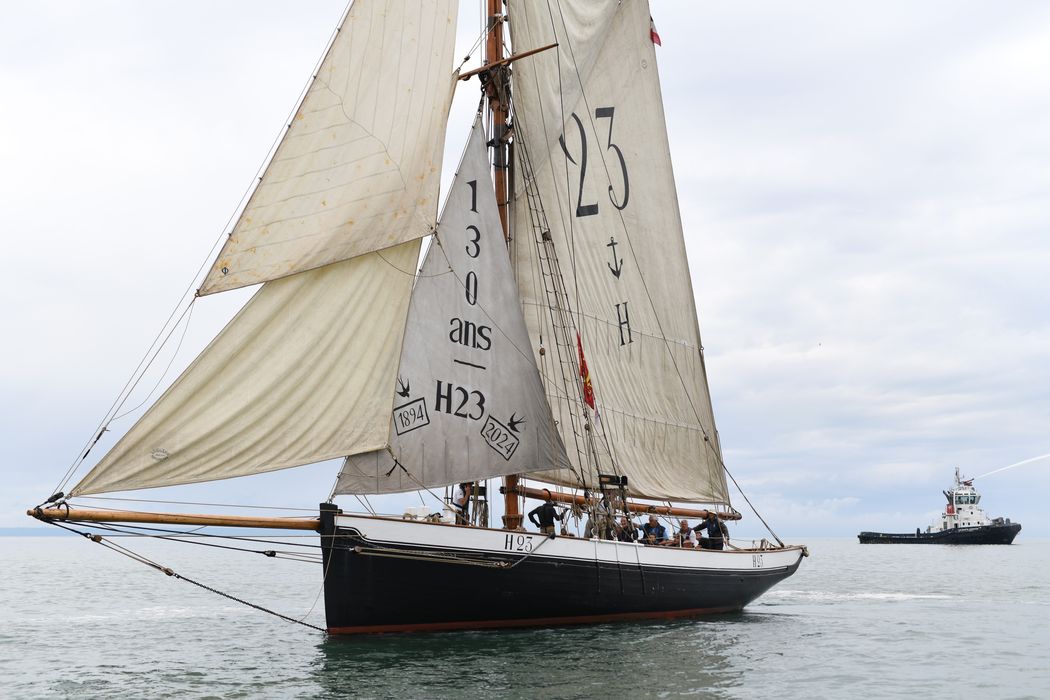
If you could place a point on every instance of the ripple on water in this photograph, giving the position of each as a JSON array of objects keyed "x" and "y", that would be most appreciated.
[{"x": 851, "y": 618}]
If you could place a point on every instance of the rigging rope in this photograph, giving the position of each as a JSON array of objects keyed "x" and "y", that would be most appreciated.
[
  {"x": 167, "y": 368},
  {"x": 125, "y": 392},
  {"x": 112, "y": 546},
  {"x": 422, "y": 486},
  {"x": 424, "y": 555},
  {"x": 245, "y": 602},
  {"x": 175, "y": 536},
  {"x": 559, "y": 309}
]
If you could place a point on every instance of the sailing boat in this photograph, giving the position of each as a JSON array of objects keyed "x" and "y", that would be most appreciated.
[{"x": 549, "y": 334}]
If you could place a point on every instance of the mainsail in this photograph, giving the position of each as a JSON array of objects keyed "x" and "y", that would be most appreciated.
[
  {"x": 469, "y": 403},
  {"x": 596, "y": 196},
  {"x": 358, "y": 168}
]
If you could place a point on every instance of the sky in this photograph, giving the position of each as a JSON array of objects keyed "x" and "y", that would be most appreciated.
[{"x": 865, "y": 197}]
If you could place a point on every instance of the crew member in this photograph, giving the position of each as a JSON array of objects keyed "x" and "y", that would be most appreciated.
[
  {"x": 544, "y": 516},
  {"x": 626, "y": 530},
  {"x": 717, "y": 532},
  {"x": 654, "y": 532},
  {"x": 599, "y": 524},
  {"x": 461, "y": 503},
  {"x": 685, "y": 537}
]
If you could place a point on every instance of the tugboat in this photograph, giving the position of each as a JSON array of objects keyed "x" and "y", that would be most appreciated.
[{"x": 963, "y": 521}]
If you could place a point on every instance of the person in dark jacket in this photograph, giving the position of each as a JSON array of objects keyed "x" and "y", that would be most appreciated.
[
  {"x": 653, "y": 531},
  {"x": 544, "y": 516},
  {"x": 626, "y": 531},
  {"x": 717, "y": 532}
]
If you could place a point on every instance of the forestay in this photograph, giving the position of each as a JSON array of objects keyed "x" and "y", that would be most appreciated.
[
  {"x": 590, "y": 116},
  {"x": 469, "y": 403},
  {"x": 358, "y": 169},
  {"x": 301, "y": 374}
]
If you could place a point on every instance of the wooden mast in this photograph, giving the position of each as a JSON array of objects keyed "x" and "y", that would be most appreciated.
[{"x": 497, "y": 91}]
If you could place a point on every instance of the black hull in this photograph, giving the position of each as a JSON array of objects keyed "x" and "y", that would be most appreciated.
[
  {"x": 394, "y": 589},
  {"x": 987, "y": 534}
]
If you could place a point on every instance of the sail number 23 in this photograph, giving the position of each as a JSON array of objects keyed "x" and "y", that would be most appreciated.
[{"x": 592, "y": 209}]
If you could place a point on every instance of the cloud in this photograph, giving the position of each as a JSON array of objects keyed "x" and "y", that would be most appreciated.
[{"x": 863, "y": 188}]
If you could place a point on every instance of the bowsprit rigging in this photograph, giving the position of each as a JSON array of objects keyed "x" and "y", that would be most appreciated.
[{"x": 180, "y": 536}]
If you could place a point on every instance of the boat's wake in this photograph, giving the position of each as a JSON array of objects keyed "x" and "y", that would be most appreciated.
[{"x": 776, "y": 596}]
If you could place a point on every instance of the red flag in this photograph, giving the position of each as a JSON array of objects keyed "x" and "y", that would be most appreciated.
[
  {"x": 585, "y": 375},
  {"x": 652, "y": 32}
]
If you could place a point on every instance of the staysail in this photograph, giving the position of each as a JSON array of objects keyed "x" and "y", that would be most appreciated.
[
  {"x": 469, "y": 403},
  {"x": 595, "y": 183},
  {"x": 359, "y": 166},
  {"x": 300, "y": 375}
]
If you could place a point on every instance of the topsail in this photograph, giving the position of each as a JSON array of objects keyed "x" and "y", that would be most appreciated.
[{"x": 359, "y": 166}]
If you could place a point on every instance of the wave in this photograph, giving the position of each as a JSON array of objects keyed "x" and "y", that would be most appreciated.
[{"x": 822, "y": 596}]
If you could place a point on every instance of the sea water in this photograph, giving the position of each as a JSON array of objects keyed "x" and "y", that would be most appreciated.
[{"x": 874, "y": 621}]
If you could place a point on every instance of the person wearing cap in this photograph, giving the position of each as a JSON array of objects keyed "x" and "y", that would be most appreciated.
[{"x": 717, "y": 532}]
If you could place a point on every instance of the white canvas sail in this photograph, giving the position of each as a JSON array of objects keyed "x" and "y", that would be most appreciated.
[
  {"x": 301, "y": 374},
  {"x": 469, "y": 403},
  {"x": 589, "y": 122},
  {"x": 358, "y": 169}
]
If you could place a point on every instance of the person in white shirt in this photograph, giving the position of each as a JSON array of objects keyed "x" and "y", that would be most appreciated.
[
  {"x": 685, "y": 537},
  {"x": 461, "y": 503}
]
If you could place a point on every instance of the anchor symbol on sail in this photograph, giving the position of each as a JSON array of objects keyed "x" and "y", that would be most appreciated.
[{"x": 618, "y": 263}]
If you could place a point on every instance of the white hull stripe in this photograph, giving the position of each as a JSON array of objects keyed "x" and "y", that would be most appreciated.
[{"x": 475, "y": 541}]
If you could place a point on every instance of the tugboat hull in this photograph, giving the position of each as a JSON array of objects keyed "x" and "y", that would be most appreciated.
[
  {"x": 985, "y": 534},
  {"x": 397, "y": 576}
]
